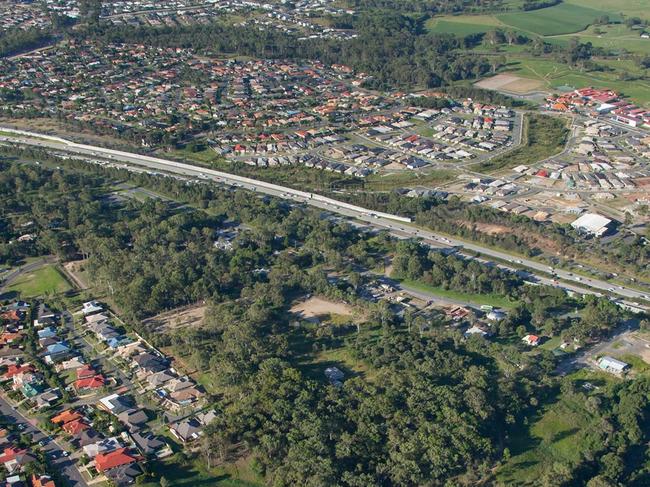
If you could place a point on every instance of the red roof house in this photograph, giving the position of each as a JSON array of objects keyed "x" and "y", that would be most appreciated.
[
  {"x": 75, "y": 427},
  {"x": 94, "y": 382},
  {"x": 42, "y": 481},
  {"x": 18, "y": 369},
  {"x": 117, "y": 458},
  {"x": 66, "y": 417}
]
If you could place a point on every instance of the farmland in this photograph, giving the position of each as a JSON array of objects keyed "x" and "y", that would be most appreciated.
[
  {"x": 558, "y": 25},
  {"x": 561, "y": 19}
]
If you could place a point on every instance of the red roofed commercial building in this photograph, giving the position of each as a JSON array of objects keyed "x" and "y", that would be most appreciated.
[{"x": 117, "y": 458}]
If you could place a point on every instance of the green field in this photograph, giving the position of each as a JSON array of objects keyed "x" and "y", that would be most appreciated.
[
  {"x": 560, "y": 19},
  {"x": 564, "y": 18},
  {"x": 558, "y": 25},
  {"x": 46, "y": 280},
  {"x": 495, "y": 300},
  {"x": 192, "y": 474},
  {"x": 544, "y": 137}
]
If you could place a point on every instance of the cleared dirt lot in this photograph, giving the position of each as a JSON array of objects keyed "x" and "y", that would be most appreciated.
[
  {"x": 510, "y": 83},
  {"x": 320, "y": 308},
  {"x": 75, "y": 271},
  {"x": 179, "y": 318}
]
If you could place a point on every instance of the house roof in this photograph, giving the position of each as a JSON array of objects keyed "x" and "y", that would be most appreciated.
[
  {"x": 94, "y": 382},
  {"x": 10, "y": 453},
  {"x": 66, "y": 416},
  {"x": 107, "y": 461},
  {"x": 85, "y": 372},
  {"x": 18, "y": 369},
  {"x": 148, "y": 443},
  {"x": 186, "y": 428},
  {"x": 124, "y": 474},
  {"x": 133, "y": 417},
  {"x": 75, "y": 427},
  {"x": 42, "y": 481}
]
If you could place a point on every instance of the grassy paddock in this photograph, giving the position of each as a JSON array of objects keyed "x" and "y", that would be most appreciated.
[
  {"x": 46, "y": 280},
  {"x": 544, "y": 136},
  {"x": 495, "y": 300},
  {"x": 559, "y": 19}
]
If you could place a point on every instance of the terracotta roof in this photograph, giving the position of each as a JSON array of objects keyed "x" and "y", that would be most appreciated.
[
  {"x": 94, "y": 382},
  {"x": 10, "y": 454},
  {"x": 66, "y": 417},
  {"x": 75, "y": 427},
  {"x": 42, "y": 481},
  {"x": 85, "y": 371},
  {"x": 106, "y": 461},
  {"x": 17, "y": 369}
]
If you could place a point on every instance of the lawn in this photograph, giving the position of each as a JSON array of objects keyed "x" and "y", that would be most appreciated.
[
  {"x": 544, "y": 137},
  {"x": 559, "y": 19},
  {"x": 495, "y": 300},
  {"x": 191, "y": 475},
  {"x": 46, "y": 280}
]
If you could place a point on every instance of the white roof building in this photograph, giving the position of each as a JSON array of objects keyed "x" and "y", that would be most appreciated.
[
  {"x": 611, "y": 364},
  {"x": 592, "y": 224}
]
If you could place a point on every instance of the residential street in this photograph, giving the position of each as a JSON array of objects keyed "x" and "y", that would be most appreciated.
[{"x": 65, "y": 465}]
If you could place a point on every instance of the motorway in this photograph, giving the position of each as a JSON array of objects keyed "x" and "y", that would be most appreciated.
[
  {"x": 65, "y": 465},
  {"x": 398, "y": 226}
]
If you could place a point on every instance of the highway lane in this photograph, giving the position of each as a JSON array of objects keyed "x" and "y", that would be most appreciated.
[
  {"x": 53, "y": 450},
  {"x": 374, "y": 219}
]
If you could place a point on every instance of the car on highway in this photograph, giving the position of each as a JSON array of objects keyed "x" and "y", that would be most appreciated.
[{"x": 578, "y": 278}]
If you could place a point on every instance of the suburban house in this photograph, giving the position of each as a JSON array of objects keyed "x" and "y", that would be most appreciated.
[
  {"x": 186, "y": 430},
  {"x": 102, "y": 446},
  {"x": 531, "y": 340},
  {"x": 15, "y": 460},
  {"x": 133, "y": 418},
  {"x": 148, "y": 443},
  {"x": 113, "y": 459},
  {"x": 92, "y": 307},
  {"x": 610, "y": 364},
  {"x": 42, "y": 481}
]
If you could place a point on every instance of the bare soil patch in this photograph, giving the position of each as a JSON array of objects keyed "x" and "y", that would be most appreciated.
[
  {"x": 546, "y": 244},
  {"x": 75, "y": 271},
  {"x": 316, "y": 308},
  {"x": 178, "y": 318},
  {"x": 510, "y": 83}
]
